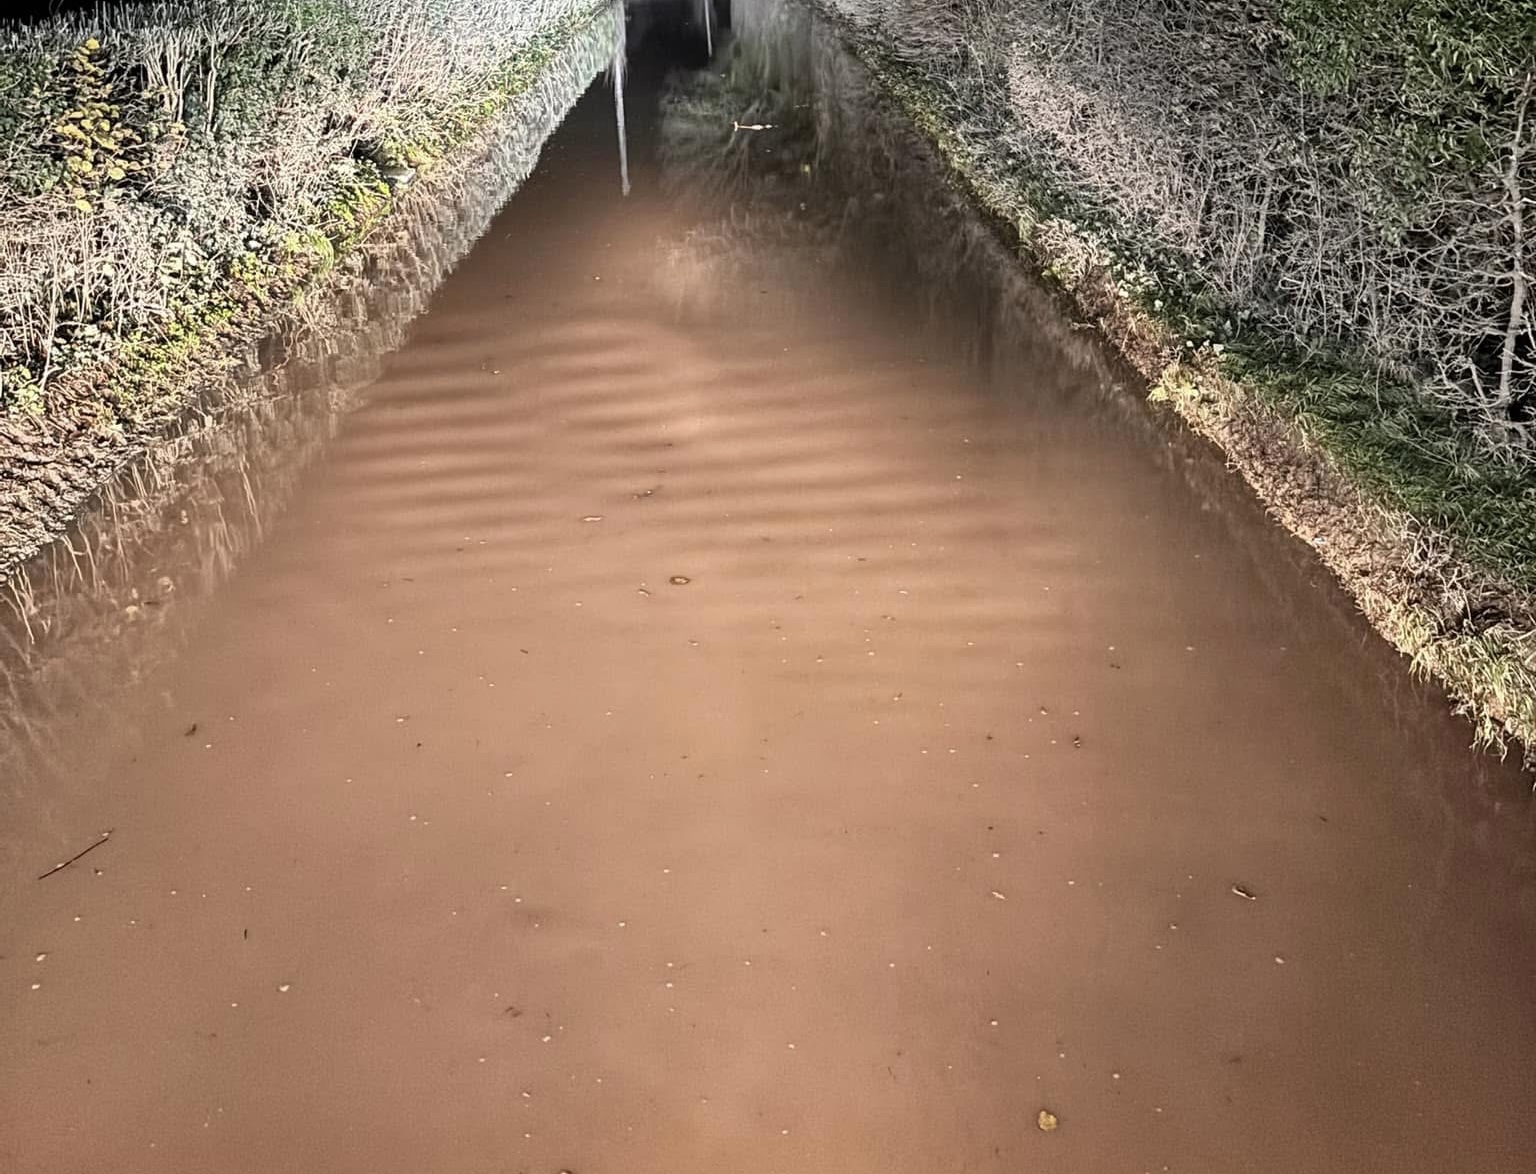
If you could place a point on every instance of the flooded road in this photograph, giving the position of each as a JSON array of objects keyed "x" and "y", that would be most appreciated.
[{"x": 745, "y": 691}]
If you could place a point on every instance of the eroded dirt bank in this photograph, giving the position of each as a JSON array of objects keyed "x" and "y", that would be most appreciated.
[{"x": 712, "y": 710}]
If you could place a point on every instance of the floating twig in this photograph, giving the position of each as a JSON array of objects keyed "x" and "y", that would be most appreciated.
[{"x": 105, "y": 836}]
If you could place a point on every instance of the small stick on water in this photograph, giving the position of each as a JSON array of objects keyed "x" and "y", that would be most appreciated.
[
  {"x": 736, "y": 126},
  {"x": 105, "y": 836}
]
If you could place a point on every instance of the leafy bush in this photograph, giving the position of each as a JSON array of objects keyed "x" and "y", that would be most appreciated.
[
  {"x": 158, "y": 158},
  {"x": 1349, "y": 174}
]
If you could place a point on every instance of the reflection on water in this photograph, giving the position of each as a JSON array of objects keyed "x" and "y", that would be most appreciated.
[
  {"x": 744, "y": 691},
  {"x": 790, "y": 134},
  {"x": 837, "y": 191},
  {"x": 794, "y": 178},
  {"x": 616, "y": 80},
  {"x": 107, "y": 603}
]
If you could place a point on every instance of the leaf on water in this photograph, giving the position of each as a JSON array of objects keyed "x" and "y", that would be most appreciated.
[
  {"x": 679, "y": 580},
  {"x": 1047, "y": 1121}
]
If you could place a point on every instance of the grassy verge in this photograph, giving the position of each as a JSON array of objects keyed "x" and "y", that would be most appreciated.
[
  {"x": 1434, "y": 538},
  {"x": 161, "y": 207}
]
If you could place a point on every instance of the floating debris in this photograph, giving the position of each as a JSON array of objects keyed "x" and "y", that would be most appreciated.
[
  {"x": 1245, "y": 894},
  {"x": 679, "y": 580},
  {"x": 63, "y": 864},
  {"x": 593, "y": 518},
  {"x": 1047, "y": 1121}
]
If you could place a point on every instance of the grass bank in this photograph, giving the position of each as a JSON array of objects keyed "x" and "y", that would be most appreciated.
[
  {"x": 177, "y": 179},
  {"x": 1423, "y": 509}
]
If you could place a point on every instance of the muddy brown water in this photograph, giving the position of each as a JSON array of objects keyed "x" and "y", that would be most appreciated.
[{"x": 717, "y": 707}]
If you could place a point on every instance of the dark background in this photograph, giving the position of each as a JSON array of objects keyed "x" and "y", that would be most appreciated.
[{"x": 26, "y": 11}]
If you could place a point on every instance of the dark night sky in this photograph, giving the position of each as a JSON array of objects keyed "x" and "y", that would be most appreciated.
[{"x": 29, "y": 10}]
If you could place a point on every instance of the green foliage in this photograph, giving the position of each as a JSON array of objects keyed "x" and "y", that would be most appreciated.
[
  {"x": 1340, "y": 174},
  {"x": 1428, "y": 85},
  {"x": 98, "y": 148},
  {"x": 152, "y": 160},
  {"x": 31, "y": 96},
  {"x": 1401, "y": 450},
  {"x": 20, "y": 389},
  {"x": 1366, "y": 160},
  {"x": 305, "y": 53},
  {"x": 355, "y": 208}
]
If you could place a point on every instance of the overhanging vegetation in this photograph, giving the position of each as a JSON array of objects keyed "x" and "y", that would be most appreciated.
[
  {"x": 176, "y": 176},
  {"x": 1306, "y": 222}
]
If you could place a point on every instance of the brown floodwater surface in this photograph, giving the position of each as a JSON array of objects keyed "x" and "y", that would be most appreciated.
[{"x": 720, "y": 705}]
